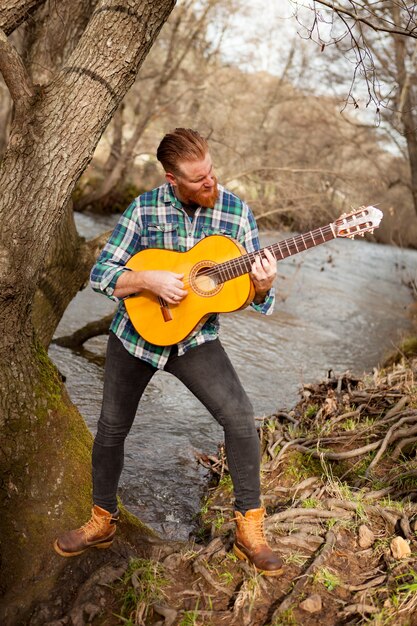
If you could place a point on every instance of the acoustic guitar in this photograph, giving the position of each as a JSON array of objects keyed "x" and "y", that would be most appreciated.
[{"x": 216, "y": 274}]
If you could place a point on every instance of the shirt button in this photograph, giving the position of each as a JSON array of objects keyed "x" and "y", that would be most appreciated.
[{"x": 109, "y": 291}]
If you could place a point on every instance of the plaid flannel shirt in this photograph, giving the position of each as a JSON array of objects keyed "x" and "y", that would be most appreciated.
[{"x": 156, "y": 219}]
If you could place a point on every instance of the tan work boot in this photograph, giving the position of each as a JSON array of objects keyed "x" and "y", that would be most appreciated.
[
  {"x": 251, "y": 545},
  {"x": 98, "y": 532}
]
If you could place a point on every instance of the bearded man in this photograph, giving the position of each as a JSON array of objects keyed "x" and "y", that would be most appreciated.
[{"x": 176, "y": 216}]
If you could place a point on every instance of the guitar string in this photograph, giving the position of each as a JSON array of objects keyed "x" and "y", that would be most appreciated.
[{"x": 240, "y": 262}]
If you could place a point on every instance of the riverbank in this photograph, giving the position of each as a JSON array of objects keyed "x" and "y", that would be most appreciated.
[{"x": 339, "y": 475}]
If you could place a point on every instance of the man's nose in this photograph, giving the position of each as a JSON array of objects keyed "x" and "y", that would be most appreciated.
[{"x": 209, "y": 180}]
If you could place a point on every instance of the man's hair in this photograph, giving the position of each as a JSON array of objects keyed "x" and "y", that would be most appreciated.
[{"x": 182, "y": 144}]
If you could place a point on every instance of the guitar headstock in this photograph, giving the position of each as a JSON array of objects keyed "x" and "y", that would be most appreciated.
[{"x": 359, "y": 222}]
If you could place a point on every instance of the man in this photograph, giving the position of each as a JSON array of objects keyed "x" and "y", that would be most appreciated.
[{"x": 175, "y": 216}]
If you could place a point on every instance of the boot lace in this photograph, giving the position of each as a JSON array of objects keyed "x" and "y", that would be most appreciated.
[
  {"x": 93, "y": 526},
  {"x": 256, "y": 532}
]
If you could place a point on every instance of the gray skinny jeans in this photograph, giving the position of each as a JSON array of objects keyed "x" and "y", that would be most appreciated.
[{"x": 208, "y": 373}]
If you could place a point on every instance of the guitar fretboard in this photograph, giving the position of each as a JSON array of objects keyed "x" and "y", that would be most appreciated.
[{"x": 281, "y": 250}]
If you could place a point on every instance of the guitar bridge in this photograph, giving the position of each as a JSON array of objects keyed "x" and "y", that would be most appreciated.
[{"x": 165, "y": 310}]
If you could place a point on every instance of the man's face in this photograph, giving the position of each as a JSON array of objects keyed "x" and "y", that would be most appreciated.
[{"x": 195, "y": 182}]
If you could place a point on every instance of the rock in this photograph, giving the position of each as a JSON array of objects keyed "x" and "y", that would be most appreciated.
[
  {"x": 366, "y": 536},
  {"x": 400, "y": 548},
  {"x": 312, "y": 604}
]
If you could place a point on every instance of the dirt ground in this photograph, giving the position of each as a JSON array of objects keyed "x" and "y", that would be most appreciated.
[{"x": 339, "y": 476}]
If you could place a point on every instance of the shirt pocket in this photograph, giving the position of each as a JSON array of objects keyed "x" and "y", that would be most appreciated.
[
  {"x": 209, "y": 230},
  {"x": 160, "y": 235}
]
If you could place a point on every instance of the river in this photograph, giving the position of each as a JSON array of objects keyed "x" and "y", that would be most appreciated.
[{"x": 340, "y": 306}]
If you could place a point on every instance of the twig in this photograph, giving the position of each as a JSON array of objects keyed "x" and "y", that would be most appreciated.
[{"x": 343, "y": 11}]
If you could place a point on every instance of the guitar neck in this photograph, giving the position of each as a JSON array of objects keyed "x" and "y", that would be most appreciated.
[{"x": 281, "y": 250}]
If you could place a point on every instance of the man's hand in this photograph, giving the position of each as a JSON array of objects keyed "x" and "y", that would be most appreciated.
[
  {"x": 166, "y": 285},
  {"x": 264, "y": 271}
]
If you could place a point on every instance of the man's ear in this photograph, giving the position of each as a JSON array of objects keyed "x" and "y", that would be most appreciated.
[{"x": 171, "y": 178}]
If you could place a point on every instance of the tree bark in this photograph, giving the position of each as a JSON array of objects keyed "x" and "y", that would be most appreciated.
[
  {"x": 65, "y": 271},
  {"x": 13, "y": 13},
  {"x": 45, "y": 446},
  {"x": 407, "y": 105}
]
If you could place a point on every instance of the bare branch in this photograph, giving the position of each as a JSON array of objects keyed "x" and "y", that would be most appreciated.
[
  {"x": 412, "y": 32},
  {"x": 15, "y": 12},
  {"x": 15, "y": 75}
]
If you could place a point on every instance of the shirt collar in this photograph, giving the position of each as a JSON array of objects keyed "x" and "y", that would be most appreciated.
[{"x": 170, "y": 197}]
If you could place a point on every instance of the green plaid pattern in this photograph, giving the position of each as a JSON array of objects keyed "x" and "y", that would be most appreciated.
[{"x": 156, "y": 219}]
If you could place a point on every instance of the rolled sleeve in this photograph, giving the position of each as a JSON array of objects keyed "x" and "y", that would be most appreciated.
[
  {"x": 267, "y": 306},
  {"x": 123, "y": 243},
  {"x": 104, "y": 279}
]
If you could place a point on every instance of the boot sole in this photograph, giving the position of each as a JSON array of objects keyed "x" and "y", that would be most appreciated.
[
  {"x": 244, "y": 557},
  {"x": 100, "y": 546}
]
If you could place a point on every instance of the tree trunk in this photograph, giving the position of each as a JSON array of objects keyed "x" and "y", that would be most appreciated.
[
  {"x": 45, "y": 445},
  {"x": 406, "y": 100},
  {"x": 66, "y": 270},
  {"x": 408, "y": 114}
]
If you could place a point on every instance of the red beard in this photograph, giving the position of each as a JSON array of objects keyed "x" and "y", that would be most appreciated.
[{"x": 206, "y": 198}]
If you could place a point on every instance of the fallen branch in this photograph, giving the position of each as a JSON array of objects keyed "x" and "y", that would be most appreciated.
[
  {"x": 386, "y": 441},
  {"x": 375, "y": 582},
  {"x": 80, "y": 336},
  {"x": 360, "y": 608},
  {"x": 200, "y": 569},
  {"x": 339, "y": 456},
  {"x": 306, "y": 514},
  {"x": 402, "y": 444}
]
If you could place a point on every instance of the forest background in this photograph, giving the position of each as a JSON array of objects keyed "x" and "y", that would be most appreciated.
[{"x": 326, "y": 123}]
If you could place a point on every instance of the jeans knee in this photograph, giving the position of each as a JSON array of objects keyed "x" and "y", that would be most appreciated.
[
  {"x": 239, "y": 424},
  {"x": 109, "y": 435}
]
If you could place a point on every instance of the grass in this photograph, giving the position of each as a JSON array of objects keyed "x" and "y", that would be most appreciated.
[
  {"x": 143, "y": 585},
  {"x": 189, "y": 618},
  {"x": 226, "y": 484},
  {"x": 287, "y": 618},
  {"x": 295, "y": 558},
  {"x": 349, "y": 424},
  {"x": 218, "y": 521},
  {"x": 227, "y": 577},
  {"x": 300, "y": 466},
  {"x": 388, "y": 503},
  {"x": 311, "y": 503},
  {"x": 407, "y": 591},
  {"x": 311, "y": 411},
  {"x": 327, "y": 578}
]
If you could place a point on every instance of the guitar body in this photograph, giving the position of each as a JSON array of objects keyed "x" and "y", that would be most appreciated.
[{"x": 166, "y": 324}]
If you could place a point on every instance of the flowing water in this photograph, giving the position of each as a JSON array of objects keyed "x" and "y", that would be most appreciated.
[{"x": 340, "y": 306}]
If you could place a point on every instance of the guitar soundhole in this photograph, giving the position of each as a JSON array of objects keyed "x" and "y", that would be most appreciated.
[{"x": 204, "y": 279}]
